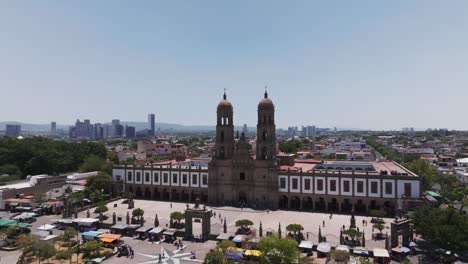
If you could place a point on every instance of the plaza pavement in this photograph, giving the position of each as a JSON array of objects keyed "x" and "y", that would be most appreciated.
[{"x": 270, "y": 220}]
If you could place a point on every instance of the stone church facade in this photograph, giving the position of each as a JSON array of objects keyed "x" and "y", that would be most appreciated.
[{"x": 237, "y": 175}]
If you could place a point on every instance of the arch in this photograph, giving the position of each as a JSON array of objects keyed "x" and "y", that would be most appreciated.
[
  {"x": 221, "y": 136},
  {"x": 307, "y": 203},
  {"x": 156, "y": 194},
  {"x": 333, "y": 205},
  {"x": 269, "y": 120},
  {"x": 165, "y": 194},
  {"x": 264, "y": 135},
  {"x": 283, "y": 202},
  {"x": 295, "y": 203},
  {"x": 138, "y": 192},
  {"x": 174, "y": 195},
  {"x": 222, "y": 152},
  {"x": 346, "y": 206},
  {"x": 147, "y": 193},
  {"x": 185, "y": 196},
  {"x": 320, "y": 204},
  {"x": 264, "y": 153}
]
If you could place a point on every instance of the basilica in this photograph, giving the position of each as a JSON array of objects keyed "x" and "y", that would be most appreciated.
[{"x": 240, "y": 174}]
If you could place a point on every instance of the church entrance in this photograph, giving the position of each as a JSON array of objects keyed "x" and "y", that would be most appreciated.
[{"x": 242, "y": 199}]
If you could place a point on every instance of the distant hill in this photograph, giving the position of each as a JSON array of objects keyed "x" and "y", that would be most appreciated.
[{"x": 137, "y": 125}]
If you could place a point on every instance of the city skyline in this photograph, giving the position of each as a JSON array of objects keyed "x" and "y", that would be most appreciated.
[{"x": 365, "y": 66}]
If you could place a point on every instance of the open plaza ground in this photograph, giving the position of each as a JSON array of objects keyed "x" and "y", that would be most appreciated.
[{"x": 147, "y": 252}]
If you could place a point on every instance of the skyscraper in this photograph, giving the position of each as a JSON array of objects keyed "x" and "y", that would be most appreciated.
[
  {"x": 151, "y": 125},
  {"x": 13, "y": 130},
  {"x": 53, "y": 128}
]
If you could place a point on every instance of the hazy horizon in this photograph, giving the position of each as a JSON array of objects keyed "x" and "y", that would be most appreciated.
[{"x": 360, "y": 64}]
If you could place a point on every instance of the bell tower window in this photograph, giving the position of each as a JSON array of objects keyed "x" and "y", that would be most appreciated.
[{"x": 222, "y": 136}]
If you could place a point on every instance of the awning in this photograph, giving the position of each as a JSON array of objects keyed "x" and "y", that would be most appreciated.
[
  {"x": 342, "y": 248},
  {"x": 223, "y": 236},
  {"x": 156, "y": 230},
  {"x": 46, "y": 227},
  {"x": 434, "y": 194},
  {"x": 144, "y": 229},
  {"x": 7, "y": 222},
  {"x": 381, "y": 253},
  {"x": 306, "y": 244},
  {"x": 132, "y": 227},
  {"x": 360, "y": 251},
  {"x": 119, "y": 226},
  {"x": 14, "y": 204},
  {"x": 251, "y": 252},
  {"x": 323, "y": 247},
  {"x": 107, "y": 240},
  {"x": 24, "y": 225},
  {"x": 169, "y": 232},
  {"x": 91, "y": 234},
  {"x": 234, "y": 254},
  {"x": 239, "y": 238}
]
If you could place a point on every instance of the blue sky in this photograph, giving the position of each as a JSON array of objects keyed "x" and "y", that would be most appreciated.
[{"x": 358, "y": 64}]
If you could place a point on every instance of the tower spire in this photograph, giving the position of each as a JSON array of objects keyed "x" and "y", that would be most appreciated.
[
  {"x": 224, "y": 95},
  {"x": 266, "y": 92}
]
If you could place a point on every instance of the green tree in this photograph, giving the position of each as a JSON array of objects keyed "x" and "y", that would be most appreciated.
[
  {"x": 138, "y": 212},
  {"x": 340, "y": 256},
  {"x": 10, "y": 169},
  {"x": 101, "y": 182},
  {"x": 445, "y": 228},
  {"x": 214, "y": 257},
  {"x": 278, "y": 250},
  {"x": 352, "y": 233},
  {"x": 177, "y": 216},
  {"x": 244, "y": 225},
  {"x": 101, "y": 208},
  {"x": 225, "y": 244},
  {"x": 379, "y": 227},
  {"x": 91, "y": 249},
  {"x": 45, "y": 251},
  {"x": 296, "y": 229},
  {"x": 92, "y": 163}
]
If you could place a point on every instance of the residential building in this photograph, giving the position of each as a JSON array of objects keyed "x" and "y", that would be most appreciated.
[{"x": 13, "y": 130}]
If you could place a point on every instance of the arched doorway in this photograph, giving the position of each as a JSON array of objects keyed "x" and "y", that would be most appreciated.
[
  {"x": 320, "y": 204},
  {"x": 242, "y": 199},
  {"x": 307, "y": 203},
  {"x": 156, "y": 194},
  {"x": 295, "y": 203},
  {"x": 283, "y": 202},
  {"x": 166, "y": 194},
  {"x": 138, "y": 193},
  {"x": 333, "y": 205},
  {"x": 147, "y": 193},
  {"x": 174, "y": 195}
]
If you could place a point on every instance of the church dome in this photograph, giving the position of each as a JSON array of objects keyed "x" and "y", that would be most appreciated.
[
  {"x": 266, "y": 103},
  {"x": 224, "y": 104}
]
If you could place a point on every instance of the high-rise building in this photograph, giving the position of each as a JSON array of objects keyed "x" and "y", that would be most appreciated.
[
  {"x": 53, "y": 128},
  {"x": 13, "y": 130},
  {"x": 98, "y": 131},
  {"x": 151, "y": 125},
  {"x": 245, "y": 129},
  {"x": 130, "y": 131},
  {"x": 82, "y": 129}
]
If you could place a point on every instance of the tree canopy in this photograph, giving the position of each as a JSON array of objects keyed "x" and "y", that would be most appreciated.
[
  {"x": 295, "y": 228},
  {"x": 101, "y": 182},
  {"x": 39, "y": 155},
  {"x": 445, "y": 228},
  {"x": 93, "y": 163},
  {"x": 278, "y": 250},
  {"x": 244, "y": 223},
  {"x": 177, "y": 216}
]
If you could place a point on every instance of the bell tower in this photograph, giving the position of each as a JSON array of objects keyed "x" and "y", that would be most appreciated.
[
  {"x": 224, "y": 129},
  {"x": 266, "y": 129}
]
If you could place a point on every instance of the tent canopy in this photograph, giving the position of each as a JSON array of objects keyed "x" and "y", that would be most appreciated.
[
  {"x": 91, "y": 233},
  {"x": 156, "y": 230},
  {"x": 323, "y": 247},
  {"x": 252, "y": 252},
  {"x": 239, "y": 238},
  {"x": 342, "y": 248},
  {"x": 144, "y": 229},
  {"x": 381, "y": 253},
  {"x": 46, "y": 227},
  {"x": 234, "y": 254},
  {"x": 306, "y": 244}
]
